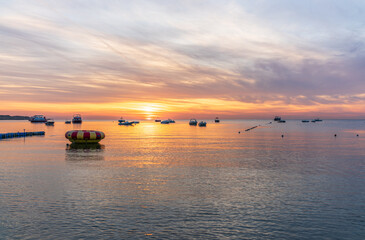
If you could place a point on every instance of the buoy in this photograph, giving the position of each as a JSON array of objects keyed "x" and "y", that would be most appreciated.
[
  {"x": 282, "y": 136},
  {"x": 84, "y": 136},
  {"x": 335, "y": 135},
  {"x": 357, "y": 135}
]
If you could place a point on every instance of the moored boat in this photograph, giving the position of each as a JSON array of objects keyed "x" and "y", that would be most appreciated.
[
  {"x": 305, "y": 121},
  {"x": 193, "y": 122},
  {"x": 202, "y": 124},
  {"x": 68, "y": 121},
  {"x": 121, "y": 119},
  {"x": 277, "y": 118},
  {"x": 50, "y": 122},
  {"x": 125, "y": 123},
  {"x": 165, "y": 122},
  {"x": 157, "y": 120},
  {"x": 217, "y": 120},
  {"x": 38, "y": 118},
  {"x": 77, "y": 118}
]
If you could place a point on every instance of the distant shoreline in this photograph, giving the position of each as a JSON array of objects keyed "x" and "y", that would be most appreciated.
[{"x": 8, "y": 117}]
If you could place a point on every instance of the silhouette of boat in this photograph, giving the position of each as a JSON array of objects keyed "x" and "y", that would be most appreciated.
[
  {"x": 217, "y": 120},
  {"x": 202, "y": 124},
  {"x": 38, "y": 118},
  {"x": 193, "y": 122},
  {"x": 77, "y": 118}
]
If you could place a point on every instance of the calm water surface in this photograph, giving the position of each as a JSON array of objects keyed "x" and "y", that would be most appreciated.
[{"x": 176, "y": 181}]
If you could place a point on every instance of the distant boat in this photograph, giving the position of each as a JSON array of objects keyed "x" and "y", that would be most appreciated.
[
  {"x": 165, "y": 122},
  {"x": 77, "y": 118},
  {"x": 202, "y": 124},
  {"x": 317, "y": 120},
  {"x": 158, "y": 120},
  {"x": 38, "y": 118},
  {"x": 193, "y": 122},
  {"x": 121, "y": 119},
  {"x": 171, "y": 121},
  {"x": 68, "y": 121},
  {"x": 135, "y": 122},
  {"x": 277, "y": 118},
  {"x": 125, "y": 123},
  {"x": 281, "y": 121},
  {"x": 217, "y": 120},
  {"x": 50, "y": 122},
  {"x": 305, "y": 121}
]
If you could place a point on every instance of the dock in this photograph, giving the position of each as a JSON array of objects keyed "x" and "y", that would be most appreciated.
[{"x": 20, "y": 134}]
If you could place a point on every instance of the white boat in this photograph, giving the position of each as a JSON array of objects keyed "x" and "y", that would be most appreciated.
[
  {"x": 38, "y": 118},
  {"x": 77, "y": 118},
  {"x": 202, "y": 124},
  {"x": 193, "y": 122},
  {"x": 50, "y": 122},
  {"x": 125, "y": 123}
]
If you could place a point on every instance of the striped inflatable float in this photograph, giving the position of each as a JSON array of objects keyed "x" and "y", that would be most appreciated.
[{"x": 84, "y": 136}]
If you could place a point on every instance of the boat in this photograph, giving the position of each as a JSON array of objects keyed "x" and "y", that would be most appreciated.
[
  {"x": 68, "y": 121},
  {"x": 125, "y": 123},
  {"x": 277, "y": 118},
  {"x": 202, "y": 124},
  {"x": 305, "y": 121},
  {"x": 313, "y": 121},
  {"x": 281, "y": 121},
  {"x": 216, "y": 120},
  {"x": 121, "y": 119},
  {"x": 38, "y": 118},
  {"x": 317, "y": 120},
  {"x": 157, "y": 120},
  {"x": 171, "y": 121},
  {"x": 50, "y": 122},
  {"x": 193, "y": 122},
  {"x": 135, "y": 122},
  {"x": 77, "y": 118},
  {"x": 165, "y": 122}
]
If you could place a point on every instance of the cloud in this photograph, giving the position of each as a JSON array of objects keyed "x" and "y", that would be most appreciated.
[{"x": 240, "y": 51}]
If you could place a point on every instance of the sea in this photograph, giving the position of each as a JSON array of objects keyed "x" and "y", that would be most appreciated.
[{"x": 290, "y": 180}]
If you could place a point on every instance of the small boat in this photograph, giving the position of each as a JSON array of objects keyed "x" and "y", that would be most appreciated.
[
  {"x": 125, "y": 123},
  {"x": 38, "y": 118},
  {"x": 317, "y": 120},
  {"x": 216, "y": 120},
  {"x": 193, "y": 122},
  {"x": 305, "y": 121},
  {"x": 135, "y": 122},
  {"x": 277, "y": 118},
  {"x": 171, "y": 121},
  {"x": 121, "y": 119},
  {"x": 202, "y": 124},
  {"x": 77, "y": 118},
  {"x": 67, "y": 121},
  {"x": 313, "y": 121},
  {"x": 50, "y": 122},
  {"x": 165, "y": 122},
  {"x": 158, "y": 120},
  {"x": 281, "y": 121}
]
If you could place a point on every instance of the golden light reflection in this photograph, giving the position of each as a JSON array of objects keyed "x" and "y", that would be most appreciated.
[{"x": 180, "y": 109}]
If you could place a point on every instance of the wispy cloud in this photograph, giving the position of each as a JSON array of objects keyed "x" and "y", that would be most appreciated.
[{"x": 260, "y": 54}]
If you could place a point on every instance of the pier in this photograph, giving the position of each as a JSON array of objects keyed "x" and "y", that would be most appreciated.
[{"x": 20, "y": 134}]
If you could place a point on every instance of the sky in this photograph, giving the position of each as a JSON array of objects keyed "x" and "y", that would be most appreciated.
[{"x": 183, "y": 59}]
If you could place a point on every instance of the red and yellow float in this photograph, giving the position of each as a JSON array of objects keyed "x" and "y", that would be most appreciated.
[{"x": 84, "y": 136}]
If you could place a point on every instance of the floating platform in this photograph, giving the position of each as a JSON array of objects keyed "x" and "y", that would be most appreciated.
[{"x": 21, "y": 134}]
